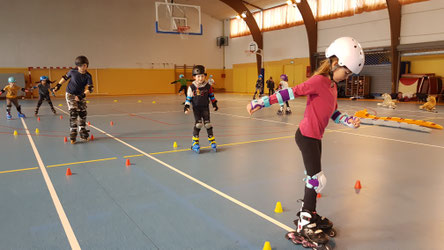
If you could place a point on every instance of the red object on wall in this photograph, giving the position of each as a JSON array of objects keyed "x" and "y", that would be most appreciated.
[
  {"x": 308, "y": 71},
  {"x": 223, "y": 75}
]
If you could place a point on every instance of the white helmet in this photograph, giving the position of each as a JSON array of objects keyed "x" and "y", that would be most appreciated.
[{"x": 349, "y": 53}]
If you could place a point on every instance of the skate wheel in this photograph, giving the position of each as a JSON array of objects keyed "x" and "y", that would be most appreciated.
[{"x": 332, "y": 233}]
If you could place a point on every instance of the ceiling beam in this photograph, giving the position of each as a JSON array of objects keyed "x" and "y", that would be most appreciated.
[
  {"x": 394, "y": 9},
  {"x": 311, "y": 25},
  {"x": 255, "y": 6},
  {"x": 256, "y": 33}
]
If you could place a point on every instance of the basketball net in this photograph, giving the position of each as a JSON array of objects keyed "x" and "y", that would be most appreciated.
[{"x": 183, "y": 31}]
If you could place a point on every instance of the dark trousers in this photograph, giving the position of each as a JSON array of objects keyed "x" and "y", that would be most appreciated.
[
  {"x": 311, "y": 150},
  {"x": 270, "y": 91},
  {"x": 41, "y": 99},
  {"x": 202, "y": 117}
]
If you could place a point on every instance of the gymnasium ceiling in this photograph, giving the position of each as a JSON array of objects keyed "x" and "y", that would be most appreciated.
[{"x": 220, "y": 10}]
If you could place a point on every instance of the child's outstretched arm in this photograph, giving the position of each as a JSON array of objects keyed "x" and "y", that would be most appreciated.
[
  {"x": 174, "y": 82},
  {"x": 306, "y": 88},
  {"x": 345, "y": 119},
  {"x": 2, "y": 91},
  {"x": 190, "y": 96},
  {"x": 213, "y": 99},
  {"x": 63, "y": 80}
]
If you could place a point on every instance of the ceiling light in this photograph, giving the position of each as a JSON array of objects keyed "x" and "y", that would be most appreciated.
[{"x": 244, "y": 14}]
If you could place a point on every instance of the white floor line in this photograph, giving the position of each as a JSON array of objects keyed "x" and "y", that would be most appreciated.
[
  {"x": 203, "y": 184},
  {"x": 58, "y": 205},
  {"x": 247, "y": 117}
]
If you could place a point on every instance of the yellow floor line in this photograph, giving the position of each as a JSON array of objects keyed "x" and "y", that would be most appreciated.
[
  {"x": 17, "y": 170},
  {"x": 81, "y": 162}
]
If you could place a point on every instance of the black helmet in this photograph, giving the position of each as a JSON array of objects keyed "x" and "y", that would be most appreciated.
[
  {"x": 80, "y": 60},
  {"x": 199, "y": 70}
]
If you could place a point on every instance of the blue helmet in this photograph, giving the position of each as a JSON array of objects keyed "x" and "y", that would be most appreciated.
[
  {"x": 181, "y": 76},
  {"x": 42, "y": 78},
  {"x": 260, "y": 76},
  {"x": 11, "y": 79},
  {"x": 211, "y": 76}
]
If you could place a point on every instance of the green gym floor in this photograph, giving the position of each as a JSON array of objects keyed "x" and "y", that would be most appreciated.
[{"x": 173, "y": 198}]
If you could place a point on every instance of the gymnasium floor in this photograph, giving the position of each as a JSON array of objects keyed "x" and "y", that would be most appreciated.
[{"x": 176, "y": 199}]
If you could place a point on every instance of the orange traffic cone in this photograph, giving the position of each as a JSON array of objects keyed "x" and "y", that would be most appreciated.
[
  {"x": 89, "y": 123},
  {"x": 127, "y": 163},
  {"x": 65, "y": 139},
  {"x": 358, "y": 185},
  {"x": 111, "y": 123},
  {"x": 92, "y": 138},
  {"x": 319, "y": 195},
  {"x": 68, "y": 172},
  {"x": 61, "y": 117},
  {"x": 38, "y": 119}
]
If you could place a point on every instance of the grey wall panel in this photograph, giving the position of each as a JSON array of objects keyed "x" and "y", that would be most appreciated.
[{"x": 381, "y": 77}]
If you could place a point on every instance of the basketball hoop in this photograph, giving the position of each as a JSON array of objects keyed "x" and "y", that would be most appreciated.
[{"x": 183, "y": 31}]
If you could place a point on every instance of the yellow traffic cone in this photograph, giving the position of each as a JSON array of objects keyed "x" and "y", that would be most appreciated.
[
  {"x": 278, "y": 208},
  {"x": 267, "y": 246}
]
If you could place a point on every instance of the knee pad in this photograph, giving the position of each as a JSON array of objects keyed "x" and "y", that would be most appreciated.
[
  {"x": 316, "y": 182},
  {"x": 199, "y": 125},
  {"x": 208, "y": 125}
]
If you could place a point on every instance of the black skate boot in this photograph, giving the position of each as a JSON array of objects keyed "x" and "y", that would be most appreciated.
[
  {"x": 308, "y": 233},
  {"x": 54, "y": 111},
  {"x": 280, "y": 111},
  {"x": 288, "y": 111},
  {"x": 73, "y": 135},
  {"x": 325, "y": 225},
  {"x": 36, "y": 113},
  {"x": 84, "y": 134}
]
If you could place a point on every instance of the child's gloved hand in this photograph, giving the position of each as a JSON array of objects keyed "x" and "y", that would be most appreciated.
[
  {"x": 186, "y": 109},
  {"x": 215, "y": 107}
]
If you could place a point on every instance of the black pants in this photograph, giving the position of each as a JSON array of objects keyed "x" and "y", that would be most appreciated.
[
  {"x": 202, "y": 118},
  {"x": 184, "y": 88},
  {"x": 41, "y": 99},
  {"x": 270, "y": 91},
  {"x": 311, "y": 150}
]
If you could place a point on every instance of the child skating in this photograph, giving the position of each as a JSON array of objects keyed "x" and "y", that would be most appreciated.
[
  {"x": 199, "y": 95},
  {"x": 259, "y": 87},
  {"x": 44, "y": 87},
  {"x": 79, "y": 78},
  {"x": 11, "y": 98},
  {"x": 344, "y": 57},
  {"x": 283, "y": 85}
]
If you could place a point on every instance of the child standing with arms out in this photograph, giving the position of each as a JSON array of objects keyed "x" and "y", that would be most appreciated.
[
  {"x": 199, "y": 95},
  {"x": 44, "y": 87},
  {"x": 283, "y": 85},
  {"x": 344, "y": 57},
  {"x": 11, "y": 98},
  {"x": 78, "y": 78},
  {"x": 183, "y": 84}
]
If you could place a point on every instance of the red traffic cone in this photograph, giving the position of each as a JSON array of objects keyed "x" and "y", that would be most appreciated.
[
  {"x": 358, "y": 185},
  {"x": 61, "y": 117},
  {"x": 319, "y": 195},
  {"x": 92, "y": 138},
  {"x": 127, "y": 162},
  {"x": 111, "y": 123},
  {"x": 89, "y": 123},
  {"x": 38, "y": 119},
  {"x": 68, "y": 172},
  {"x": 65, "y": 139}
]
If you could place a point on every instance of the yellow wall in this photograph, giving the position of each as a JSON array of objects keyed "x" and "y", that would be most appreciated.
[
  {"x": 426, "y": 64},
  {"x": 118, "y": 81},
  {"x": 244, "y": 76}
]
